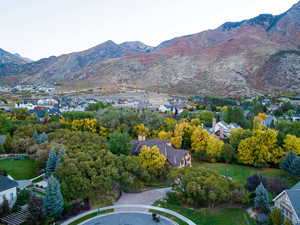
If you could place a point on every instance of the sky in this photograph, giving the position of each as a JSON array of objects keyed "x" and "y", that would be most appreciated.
[{"x": 42, "y": 28}]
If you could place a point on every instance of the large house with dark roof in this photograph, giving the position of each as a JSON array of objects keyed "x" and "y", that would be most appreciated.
[
  {"x": 176, "y": 157},
  {"x": 8, "y": 190},
  {"x": 288, "y": 202}
]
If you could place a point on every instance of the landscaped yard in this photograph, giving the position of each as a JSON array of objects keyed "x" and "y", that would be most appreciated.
[
  {"x": 240, "y": 173},
  {"x": 234, "y": 216},
  {"x": 22, "y": 169}
]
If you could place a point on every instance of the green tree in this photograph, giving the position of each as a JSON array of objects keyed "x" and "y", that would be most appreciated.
[
  {"x": 120, "y": 143},
  {"x": 237, "y": 135},
  {"x": 51, "y": 162},
  {"x": 42, "y": 138},
  {"x": 228, "y": 153},
  {"x": 276, "y": 217},
  {"x": 53, "y": 201},
  {"x": 295, "y": 168},
  {"x": 287, "y": 162},
  {"x": 261, "y": 200},
  {"x": 97, "y": 106},
  {"x": 36, "y": 213}
]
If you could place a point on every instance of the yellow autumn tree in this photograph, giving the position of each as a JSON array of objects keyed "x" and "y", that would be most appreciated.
[
  {"x": 163, "y": 135},
  {"x": 103, "y": 131},
  {"x": 182, "y": 135},
  {"x": 292, "y": 144},
  {"x": 140, "y": 129},
  {"x": 195, "y": 122},
  {"x": 151, "y": 158},
  {"x": 258, "y": 123},
  {"x": 262, "y": 116},
  {"x": 89, "y": 125},
  {"x": 261, "y": 148},
  {"x": 214, "y": 146},
  {"x": 199, "y": 139}
]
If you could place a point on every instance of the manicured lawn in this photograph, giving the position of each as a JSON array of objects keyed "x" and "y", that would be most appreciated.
[
  {"x": 19, "y": 169},
  {"x": 234, "y": 216},
  {"x": 240, "y": 173}
]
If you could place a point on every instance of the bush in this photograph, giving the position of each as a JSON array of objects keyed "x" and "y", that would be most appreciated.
[
  {"x": 22, "y": 197},
  {"x": 253, "y": 181},
  {"x": 240, "y": 196},
  {"x": 276, "y": 217},
  {"x": 172, "y": 198},
  {"x": 276, "y": 185}
]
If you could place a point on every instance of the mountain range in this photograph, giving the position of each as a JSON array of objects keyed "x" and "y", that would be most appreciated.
[{"x": 252, "y": 56}]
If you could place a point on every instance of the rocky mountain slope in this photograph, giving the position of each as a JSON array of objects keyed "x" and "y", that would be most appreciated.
[
  {"x": 261, "y": 54},
  {"x": 6, "y": 57}
]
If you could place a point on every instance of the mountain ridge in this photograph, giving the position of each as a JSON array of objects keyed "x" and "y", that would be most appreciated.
[{"x": 234, "y": 59}]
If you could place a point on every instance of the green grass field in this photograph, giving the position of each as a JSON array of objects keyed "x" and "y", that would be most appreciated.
[
  {"x": 240, "y": 173},
  {"x": 234, "y": 216},
  {"x": 19, "y": 169}
]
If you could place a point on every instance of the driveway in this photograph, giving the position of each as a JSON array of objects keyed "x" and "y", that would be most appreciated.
[{"x": 144, "y": 198}]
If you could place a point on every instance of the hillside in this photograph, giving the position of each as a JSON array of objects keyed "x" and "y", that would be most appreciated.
[{"x": 238, "y": 58}]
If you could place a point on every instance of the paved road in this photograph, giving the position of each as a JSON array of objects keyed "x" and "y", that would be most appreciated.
[{"x": 145, "y": 198}]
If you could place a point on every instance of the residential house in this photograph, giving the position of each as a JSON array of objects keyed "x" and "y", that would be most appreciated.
[
  {"x": 47, "y": 102},
  {"x": 295, "y": 118},
  {"x": 8, "y": 190},
  {"x": 26, "y": 105},
  {"x": 269, "y": 121},
  {"x": 176, "y": 157},
  {"x": 288, "y": 202},
  {"x": 222, "y": 129}
]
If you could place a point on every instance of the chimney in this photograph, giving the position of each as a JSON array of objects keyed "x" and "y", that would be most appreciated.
[
  {"x": 222, "y": 133},
  {"x": 214, "y": 122}
]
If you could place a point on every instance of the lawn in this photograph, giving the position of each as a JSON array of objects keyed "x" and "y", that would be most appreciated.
[
  {"x": 240, "y": 173},
  {"x": 19, "y": 169},
  {"x": 234, "y": 216}
]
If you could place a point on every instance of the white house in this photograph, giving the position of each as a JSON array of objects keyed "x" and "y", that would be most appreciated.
[
  {"x": 288, "y": 202},
  {"x": 26, "y": 105},
  {"x": 223, "y": 129},
  {"x": 47, "y": 102},
  {"x": 8, "y": 190}
]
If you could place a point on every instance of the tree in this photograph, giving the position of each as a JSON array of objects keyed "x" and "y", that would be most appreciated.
[
  {"x": 151, "y": 159},
  {"x": 140, "y": 129},
  {"x": 286, "y": 163},
  {"x": 202, "y": 187},
  {"x": 295, "y": 168},
  {"x": 292, "y": 143},
  {"x": 163, "y": 135},
  {"x": 7, "y": 145},
  {"x": 182, "y": 135},
  {"x": 51, "y": 162},
  {"x": 206, "y": 117},
  {"x": 36, "y": 213},
  {"x": 97, "y": 106},
  {"x": 35, "y": 136},
  {"x": 253, "y": 182},
  {"x": 199, "y": 139},
  {"x": 4, "y": 207},
  {"x": 214, "y": 147},
  {"x": 120, "y": 143},
  {"x": 42, "y": 138},
  {"x": 261, "y": 200},
  {"x": 260, "y": 149},
  {"x": 287, "y": 222},
  {"x": 228, "y": 153},
  {"x": 53, "y": 201},
  {"x": 237, "y": 135},
  {"x": 276, "y": 217},
  {"x": 19, "y": 114}
]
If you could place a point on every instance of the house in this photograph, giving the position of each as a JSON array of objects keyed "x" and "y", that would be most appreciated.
[
  {"x": 176, "y": 157},
  {"x": 47, "y": 102},
  {"x": 8, "y": 190},
  {"x": 288, "y": 202},
  {"x": 296, "y": 118},
  {"x": 26, "y": 105},
  {"x": 223, "y": 129},
  {"x": 269, "y": 121}
]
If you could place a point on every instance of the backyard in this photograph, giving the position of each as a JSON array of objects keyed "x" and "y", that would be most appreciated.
[
  {"x": 19, "y": 169},
  {"x": 229, "y": 216},
  {"x": 240, "y": 173}
]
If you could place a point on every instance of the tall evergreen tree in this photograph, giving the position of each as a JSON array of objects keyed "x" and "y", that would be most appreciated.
[
  {"x": 35, "y": 136},
  {"x": 286, "y": 163},
  {"x": 43, "y": 138},
  {"x": 261, "y": 201},
  {"x": 53, "y": 201},
  {"x": 51, "y": 162},
  {"x": 295, "y": 168}
]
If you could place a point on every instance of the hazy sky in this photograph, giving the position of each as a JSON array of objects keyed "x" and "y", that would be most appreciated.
[{"x": 41, "y": 28}]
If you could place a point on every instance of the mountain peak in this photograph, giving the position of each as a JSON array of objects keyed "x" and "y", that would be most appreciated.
[{"x": 137, "y": 46}]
